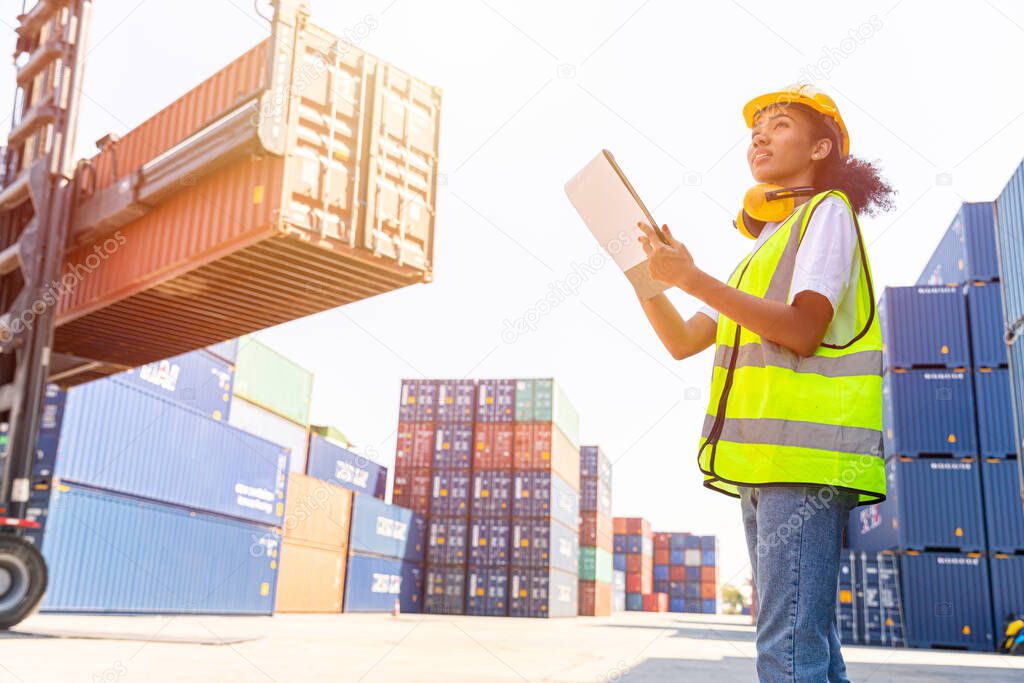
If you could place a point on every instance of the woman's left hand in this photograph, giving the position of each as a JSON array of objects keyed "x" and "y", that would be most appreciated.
[{"x": 669, "y": 263}]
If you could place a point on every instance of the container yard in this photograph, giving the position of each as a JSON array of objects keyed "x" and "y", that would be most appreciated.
[{"x": 301, "y": 380}]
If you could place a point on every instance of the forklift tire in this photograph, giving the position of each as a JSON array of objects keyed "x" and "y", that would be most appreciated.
[{"x": 23, "y": 578}]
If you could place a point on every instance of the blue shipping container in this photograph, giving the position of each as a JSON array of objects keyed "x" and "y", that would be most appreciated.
[
  {"x": 619, "y": 564},
  {"x": 407, "y": 400},
  {"x": 1004, "y": 513},
  {"x": 676, "y": 589},
  {"x": 693, "y": 605},
  {"x": 495, "y": 400},
  {"x": 456, "y": 399},
  {"x": 426, "y": 400},
  {"x": 692, "y": 542},
  {"x": 890, "y": 599},
  {"x": 931, "y": 503},
  {"x": 197, "y": 379},
  {"x": 946, "y": 600},
  {"x": 660, "y": 574},
  {"x": 542, "y": 494},
  {"x": 707, "y": 558},
  {"x": 1007, "y": 589},
  {"x": 634, "y": 602},
  {"x": 709, "y": 605},
  {"x": 676, "y": 557},
  {"x": 693, "y": 574},
  {"x": 112, "y": 553},
  {"x": 847, "y": 562},
  {"x": 386, "y": 530},
  {"x": 985, "y": 313},
  {"x": 924, "y": 327},
  {"x": 446, "y": 540},
  {"x": 967, "y": 250},
  {"x": 869, "y": 598},
  {"x": 492, "y": 493},
  {"x": 660, "y": 586},
  {"x": 928, "y": 411},
  {"x": 675, "y": 604},
  {"x": 453, "y": 446},
  {"x": 1010, "y": 240},
  {"x": 130, "y": 440},
  {"x": 540, "y": 543},
  {"x": 449, "y": 493},
  {"x": 678, "y": 541},
  {"x": 708, "y": 542},
  {"x": 330, "y": 462},
  {"x": 595, "y": 496},
  {"x": 372, "y": 584},
  {"x": 445, "y": 590},
  {"x": 489, "y": 541},
  {"x": 995, "y": 412},
  {"x": 594, "y": 464},
  {"x": 543, "y": 593},
  {"x": 50, "y": 421},
  {"x": 487, "y": 591}
]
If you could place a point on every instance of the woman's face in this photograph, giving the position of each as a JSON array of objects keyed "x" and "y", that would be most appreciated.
[{"x": 782, "y": 146}]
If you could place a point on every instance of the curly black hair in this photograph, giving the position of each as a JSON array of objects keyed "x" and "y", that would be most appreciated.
[{"x": 859, "y": 179}]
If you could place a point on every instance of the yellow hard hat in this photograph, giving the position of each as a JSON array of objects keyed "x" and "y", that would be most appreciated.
[{"x": 802, "y": 94}]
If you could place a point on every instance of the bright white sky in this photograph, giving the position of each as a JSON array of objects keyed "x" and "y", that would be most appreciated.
[{"x": 532, "y": 90}]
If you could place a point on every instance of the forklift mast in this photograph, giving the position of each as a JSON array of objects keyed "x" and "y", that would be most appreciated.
[{"x": 36, "y": 199}]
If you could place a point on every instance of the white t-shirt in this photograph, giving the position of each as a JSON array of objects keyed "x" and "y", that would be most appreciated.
[{"x": 828, "y": 262}]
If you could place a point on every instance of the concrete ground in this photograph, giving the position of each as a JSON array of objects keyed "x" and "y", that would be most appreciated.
[{"x": 630, "y": 647}]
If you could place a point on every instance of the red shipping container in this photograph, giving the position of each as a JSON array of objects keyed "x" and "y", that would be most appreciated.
[
  {"x": 656, "y": 602},
  {"x": 619, "y": 525},
  {"x": 707, "y": 590},
  {"x": 661, "y": 541},
  {"x": 492, "y": 449},
  {"x": 677, "y": 572},
  {"x": 552, "y": 451},
  {"x": 522, "y": 446},
  {"x": 636, "y": 525},
  {"x": 596, "y": 531},
  {"x": 595, "y": 599},
  {"x": 661, "y": 556},
  {"x": 422, "y": 444},
  {"x": 708, "y": 574},
  {"x": 302, "y": 209},
  {"x": 634, "y": 565},
  {"x": 634, "y": 583}
]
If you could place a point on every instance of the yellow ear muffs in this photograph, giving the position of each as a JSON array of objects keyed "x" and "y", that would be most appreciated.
[{"x": 766, "y": 203}]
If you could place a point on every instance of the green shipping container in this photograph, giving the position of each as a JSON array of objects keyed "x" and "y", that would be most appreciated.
[
  {"x": 542, "y": 400},
  {"x": 595, "y": 564},
  {"x": 331, "y": 434},
  {"x": 273, "y": 382}
]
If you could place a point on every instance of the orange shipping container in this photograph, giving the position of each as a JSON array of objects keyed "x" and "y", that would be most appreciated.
[
  {"x": 315, "y": 187},
  {"x": 309, "y": 578},
  {"x": 317, "y": 513},
  {"x": 661, "y": 556},
  {"x": 708, "y": 574},
  {"x": 619, "y": 525},
  {"x": 655, "y": 602},
  {"x": 707, "y": 590},
  {"x": 595, "y": 599}
]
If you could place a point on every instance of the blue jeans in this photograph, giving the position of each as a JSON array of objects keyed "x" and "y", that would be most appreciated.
[{"x": 793, "y": 536}]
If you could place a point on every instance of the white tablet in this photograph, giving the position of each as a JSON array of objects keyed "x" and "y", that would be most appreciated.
[{"x": 611, "y": 208}]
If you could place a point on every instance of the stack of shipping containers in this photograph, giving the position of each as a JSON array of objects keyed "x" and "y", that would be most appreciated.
[
  {"x": 596, "y": 536},
  {"x": 147, "y": 455},
  {"x": 544, "y": 538},
  {"x": 495, "y": 465},
  {"x": 686, "y": 569},
  {"x": 1005, "y": 511},
  {"x": 953, "y": 510},
  {"x": 314, "y": 549},
  {"x": 634, "y": 554},
  {"x": 451, "y": 426},
  {"x": 385, "y": 558},
  {"x": 491, "y": 433}
]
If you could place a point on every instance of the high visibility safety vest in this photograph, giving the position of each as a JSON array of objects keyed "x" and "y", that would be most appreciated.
[{"x": 776, "y": 418}]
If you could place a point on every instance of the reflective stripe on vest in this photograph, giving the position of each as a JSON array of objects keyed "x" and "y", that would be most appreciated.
[{"x": 776, "y": 417}]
